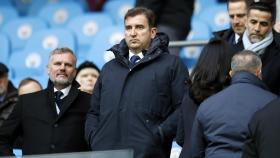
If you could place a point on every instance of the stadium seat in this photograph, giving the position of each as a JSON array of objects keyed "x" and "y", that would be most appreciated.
[
  {"x": 6, "y": 3},
  {"x": 200, "y": 5},
  {"x": 85, "y": 28},
  {"x": 117, "y": 9},
  {"x": 4, "y": 49},
  {"x": 28, "y": 63},
  {"x": 7, "y": 13},
  {"x": 216, "y": 17},
  {"x": 50, "y": 39},
  {"x": 200, "y": 31},
  {"x": 59, "y": 14},
  {"x": 21, "y": 29},
  {"x": 34, "y": 6},
  {"x": 17, "y": 152},
  {"x": 104, "y": 40}
]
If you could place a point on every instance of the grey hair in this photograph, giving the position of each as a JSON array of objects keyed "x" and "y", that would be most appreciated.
[
  {"x": 61, "y": 51},
  {"x": 246, "y": 60}
]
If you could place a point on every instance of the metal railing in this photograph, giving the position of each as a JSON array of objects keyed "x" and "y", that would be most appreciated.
[{"x": 187, "y": 43}]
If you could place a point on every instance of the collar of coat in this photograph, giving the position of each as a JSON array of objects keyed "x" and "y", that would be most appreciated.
[
  {"x": 158, "y": 46},
  {"x": 247, "y": 77},
  {"x": 69, "y": 99}
]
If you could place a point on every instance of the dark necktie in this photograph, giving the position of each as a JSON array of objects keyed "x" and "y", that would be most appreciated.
[
  {"x": 133, "y": 60},
  {"x": 57, "y": 96}
]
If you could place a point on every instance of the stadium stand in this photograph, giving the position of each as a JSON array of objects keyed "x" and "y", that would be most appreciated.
[
  {"x": 85, "y": 27},
  {"x": 59, "y": 14},
  {"x": 117, "y": 9},
  {"x": 7, "y": 13},
  {"x": 103, "y": 40},
  {"x": 21, "y": 29},
  {"x": 5, "y": 49}
]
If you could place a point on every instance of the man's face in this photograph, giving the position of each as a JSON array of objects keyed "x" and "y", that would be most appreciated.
[
  {"x": 138, "y": 34},
  {"x": 87, "y": 78},
  {"x": 3, "y": 84},
  {"x": 61, "y": 69},
  {"x": 259, "y": 24},
  {"x": 238, "y": 15}
]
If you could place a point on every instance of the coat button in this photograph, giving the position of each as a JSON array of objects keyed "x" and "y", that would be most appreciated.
[
  {"x": 55, "y": 125},
  {"x": 147, "y": 121},
  {"x": 52, "y": 146}
]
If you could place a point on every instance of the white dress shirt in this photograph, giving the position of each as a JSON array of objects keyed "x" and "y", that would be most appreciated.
[{"x": 65, "y": 92}]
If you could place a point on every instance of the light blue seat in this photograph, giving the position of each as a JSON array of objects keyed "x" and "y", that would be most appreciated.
[
  {"x": 34, "y": 6},
  {"x": 216, "y": 17},
  {"x": 28, "y": 63},
  {"x": 201, "y": 5},
  {"x": 118, "y": 8},
  {"x": 6, "y": 3},
  {"x": 7, "y": 13},
  {"x": 85, "y": 28},
  {"x": 17, "y": 152},
  {"x": 104, "y": 40},
  {"x": 200, "y": 31},
  {"x": 59, "y": 14},
  {"x": 21, "y": 30},
  {"x": 50, "y": 39},
  {"x": 4, "y": 49}
]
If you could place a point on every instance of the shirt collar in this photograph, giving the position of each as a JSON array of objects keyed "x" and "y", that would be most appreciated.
[
  {"x": 65, "y": 91},
  {"x": 139, "y": 54},
  {"x": 236, "y": 38}
]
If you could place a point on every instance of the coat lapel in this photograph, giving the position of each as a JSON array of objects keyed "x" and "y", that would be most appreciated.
[{"x": 69, "y": 99}]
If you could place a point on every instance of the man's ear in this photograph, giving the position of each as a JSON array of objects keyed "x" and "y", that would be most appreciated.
[
  {"x": 230, "y": 73},
  {"x": 259, "y": 73},
  {"x": 153, "y": 32}
]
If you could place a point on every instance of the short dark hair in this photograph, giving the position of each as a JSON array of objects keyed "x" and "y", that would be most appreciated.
[
  {"x": 266, "y": 7},
  {"x": 247, "y": 2},
  {"x": 87, "y": 64},
  {"x": 28, "y": 80},
  {"x": 149, "y": 14}
]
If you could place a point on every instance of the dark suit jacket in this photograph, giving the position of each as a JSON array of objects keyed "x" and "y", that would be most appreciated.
[
  {"x": 270, "y": 64},
  {"x": 264, "y": 128},
  {"x": 42, "y": 129}
]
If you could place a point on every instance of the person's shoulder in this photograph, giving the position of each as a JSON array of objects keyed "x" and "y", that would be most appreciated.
[
  {"x": 84, "y": 94},
  {"x": 222, "y": 34}
]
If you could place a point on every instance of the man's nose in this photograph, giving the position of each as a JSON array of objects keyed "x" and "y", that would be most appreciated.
[
  {"x": 236, "y": 20},
  {"x": 257, "y": 27},
  {"x": 133, "y": 32}
]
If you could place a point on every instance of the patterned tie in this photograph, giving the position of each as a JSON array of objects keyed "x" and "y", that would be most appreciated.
[
  {"x": 57, "y": 96},
  {"x": 133, "y": 60}
]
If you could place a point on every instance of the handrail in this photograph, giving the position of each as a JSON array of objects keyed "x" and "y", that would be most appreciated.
[{"x": 187, "y": 43}]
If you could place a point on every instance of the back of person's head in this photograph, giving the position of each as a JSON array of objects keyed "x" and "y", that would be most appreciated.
[
  {"x": 211, "y": 73},
  {"x": 264, "y": 6},
  {"x": 149, "y": 14},
  {"x": 29, "y": 85},
  {"x": 248, "y": 61}
]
